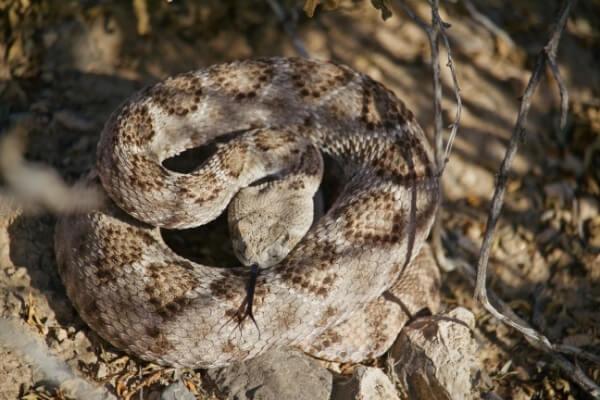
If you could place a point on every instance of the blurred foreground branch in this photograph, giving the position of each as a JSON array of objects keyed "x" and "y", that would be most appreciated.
[{"x": 34, "y": 187}]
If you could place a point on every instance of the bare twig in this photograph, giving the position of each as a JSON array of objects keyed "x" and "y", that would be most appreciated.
[
  {"x": 518, "y": 135},
  {"x": 418, "y": 20},
  {"x": 506, "y": 315},
  {"x": 433, "y": 32},
  {"x": 487, "y": 23},
  {"x": 564, "y": 94},
  {"x": 289, "y": 26},
  {"x": 435, "y": 16},
  {"x": 570, "y": 369},
  {"x": 576, "y": 351}
]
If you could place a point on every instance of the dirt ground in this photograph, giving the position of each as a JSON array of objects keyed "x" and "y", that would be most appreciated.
[{"x": 67, "y": 64}]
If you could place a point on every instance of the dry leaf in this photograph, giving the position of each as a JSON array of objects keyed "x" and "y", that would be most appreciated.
[
  {"x": 311, "y": 5},
  {"x": 382, "y": 5}
]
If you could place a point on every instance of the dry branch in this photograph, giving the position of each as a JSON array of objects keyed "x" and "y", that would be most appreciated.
[
  {"x": 506, "y": 315},
  {"x": 518, "y": 135},
  {"x": 433, "y": 31},
  {"x": 487, "y": 23},
  {"x": 289, "y": 25}
]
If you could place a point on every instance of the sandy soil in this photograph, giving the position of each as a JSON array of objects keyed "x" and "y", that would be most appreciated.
[{"x": 67, "y": 64}]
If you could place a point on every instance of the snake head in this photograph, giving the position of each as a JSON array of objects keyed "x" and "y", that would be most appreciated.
[
  {"x": 264, "y": 228},
  {"x": 263, "y": 239}
]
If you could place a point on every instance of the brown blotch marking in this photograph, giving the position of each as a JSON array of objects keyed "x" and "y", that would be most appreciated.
[
  {"x": 331, "y": 337},
  {"x": 328, "y": 280},
  {"x": 160, "y": 344},
  {"x": 222, "y": 289},
  {"x": 211, "y": 188},
  {"x": 105, "y": 274},
  {"x": 91, "y": 310},
  {"x": 233, "y": 159},
  {"x": 242, "y": 80},
  {"x": 330, "y": 312},
  {"x": 296, "y": 184},
  {"x": 312, "y": 79},
  {"x": 152, "y": 331},
  {"x": 148, "y": 177},
  {"x": 183, "y": 90},
  {"x": 166, "y": 289},
  {"x": 357, "y": 229},
  {"x": 125, "y": 249},
  {"x": 228, "y": 347},
  {"x": 264, "y": 140},
  {"x": 381, "y": 108},
  {"x": 310, "y": 163},
  {"x": 232, "y": 312}
]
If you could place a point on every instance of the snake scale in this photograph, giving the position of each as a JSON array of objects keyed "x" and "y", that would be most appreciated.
[{"x": 340, "y": 290}]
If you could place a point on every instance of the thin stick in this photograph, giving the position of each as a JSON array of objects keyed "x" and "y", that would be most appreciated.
[
  {"x": 433, "y": 31},
  {"x": 564, "y": 94},
  {"x": 289, "y": 27},
  {"x": 501, "y": 178},
  {"x": 570, "y": 369},
  {"x": 450, "y": 64},
  {"x": 508, "y": 317},
  {"x": 487, "y": 23},
  {"x": 498, "y": 198}
]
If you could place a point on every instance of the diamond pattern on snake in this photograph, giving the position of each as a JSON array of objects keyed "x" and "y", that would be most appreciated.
[{"x": 340, "y": 287}]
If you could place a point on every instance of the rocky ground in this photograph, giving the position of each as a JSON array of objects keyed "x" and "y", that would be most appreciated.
[{"x": 65, "y": 65}]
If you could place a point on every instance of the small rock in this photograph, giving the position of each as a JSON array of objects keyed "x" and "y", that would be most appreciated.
[
  {"x": 60, "y": 334},
  {"x": 102, "y": 371},
  {"x": 435, "y": 357},
  {"x": 367, "y": 383},
  {"x": 593, "y": 231},
  {"x": 561, "y": 191},
  {"x": 278, "y": 374},
  {"x": 74, "y": 121},
  {"x": 547, "y": 235},
  {"x": 177, "y": 391},
  {"x": 40, "y": 106},
  {"x": 588, "y": 207}
]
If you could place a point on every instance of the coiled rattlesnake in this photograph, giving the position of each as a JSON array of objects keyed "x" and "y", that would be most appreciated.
[{"x": 329, "y": 295}]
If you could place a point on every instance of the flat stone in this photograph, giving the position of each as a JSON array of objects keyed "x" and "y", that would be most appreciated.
[
  {"x": 367, "y": 383},
  {"x": 177, "y": 391},
  {"x": 278, "y": 374}
]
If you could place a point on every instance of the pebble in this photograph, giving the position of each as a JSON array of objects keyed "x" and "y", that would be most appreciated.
[
  {"x": 60, "y": 334},
  {"x": 177, "y": 391},
  {"x": 367, "y": 383},
  {"x": 593, "y": 231},
  {"x": 102, "y": 371}
]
